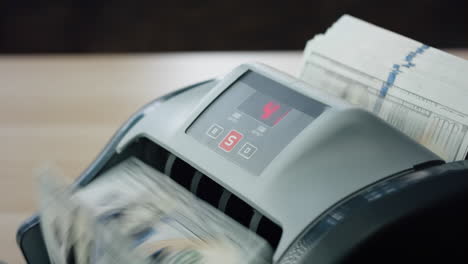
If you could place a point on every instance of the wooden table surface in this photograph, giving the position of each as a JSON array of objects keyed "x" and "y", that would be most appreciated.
[{"x": 63, "y": 109}]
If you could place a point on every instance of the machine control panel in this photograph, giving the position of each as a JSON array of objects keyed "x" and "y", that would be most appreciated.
[{"x": 253, "y": 120}]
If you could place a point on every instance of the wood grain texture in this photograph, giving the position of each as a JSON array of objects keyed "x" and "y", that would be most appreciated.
[{"x": 63, "y": 109}]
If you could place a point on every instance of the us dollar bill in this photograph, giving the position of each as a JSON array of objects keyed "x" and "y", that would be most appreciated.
[
  {"x": 136, "y": 211},
  {"x": 55, "y": 215}
]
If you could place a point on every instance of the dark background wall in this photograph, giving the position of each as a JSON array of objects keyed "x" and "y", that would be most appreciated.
[{"x": 71, "y": 26}]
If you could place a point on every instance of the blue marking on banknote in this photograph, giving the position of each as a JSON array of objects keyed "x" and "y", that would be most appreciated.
[
  {"x": 143, "y": 235},
  {"x": 396, "y": 70},
  {"x": 392, "y": 75}
]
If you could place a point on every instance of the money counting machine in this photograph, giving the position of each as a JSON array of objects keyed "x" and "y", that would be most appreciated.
[{"x": 320, "y": 180}]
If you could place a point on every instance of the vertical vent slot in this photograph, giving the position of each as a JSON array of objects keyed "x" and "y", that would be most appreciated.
[
  {"x": 270, "y": 231},
  {"x": 239, "y": 210},
  {"x": 182, "y": 173},
  {"x": 152, "y": 154},
  {"x": 209, "y": 191}
]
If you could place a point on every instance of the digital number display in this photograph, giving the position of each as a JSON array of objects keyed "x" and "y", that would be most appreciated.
[{"x": 265, "y": 109}]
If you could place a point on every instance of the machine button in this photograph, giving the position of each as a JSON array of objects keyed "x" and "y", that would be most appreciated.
[
  {"x": 247, "y": 150},
  {"x": 214, "y": 131},
  {"x": 230, "y": 141}
]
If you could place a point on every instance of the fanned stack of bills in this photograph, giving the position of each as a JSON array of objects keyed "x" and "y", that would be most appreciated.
[
  {"x": 418, "y": 89},
  {"x": 134, "y": 214}
]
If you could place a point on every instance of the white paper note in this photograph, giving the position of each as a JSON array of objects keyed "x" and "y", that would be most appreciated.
[{"x": 418, "y": 89}]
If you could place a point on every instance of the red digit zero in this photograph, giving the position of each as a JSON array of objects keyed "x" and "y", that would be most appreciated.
[{"x": 230, "y": 141}]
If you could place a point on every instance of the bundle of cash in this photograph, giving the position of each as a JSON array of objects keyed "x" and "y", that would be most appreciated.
[
  {"x": 134, "y": 214},
  {"x": 418, "y": 89}
]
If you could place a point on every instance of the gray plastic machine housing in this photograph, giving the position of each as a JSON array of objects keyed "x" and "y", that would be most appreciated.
[{"x": 341, "y": 151}]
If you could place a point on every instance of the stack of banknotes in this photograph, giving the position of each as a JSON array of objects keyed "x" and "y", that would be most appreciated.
[
  {"x": 418, "y": 89},
  {"x": 134, "y": 214}
]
